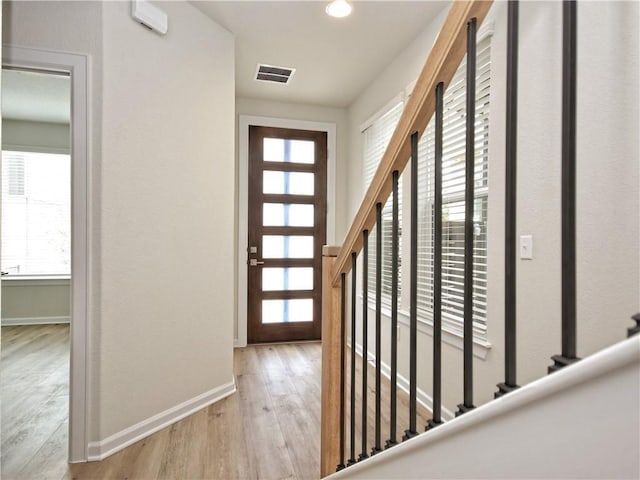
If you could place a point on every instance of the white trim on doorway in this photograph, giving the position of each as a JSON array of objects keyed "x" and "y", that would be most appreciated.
[
  {"x": 243, "y": 170},
  {"x": 79, "y": 391}
]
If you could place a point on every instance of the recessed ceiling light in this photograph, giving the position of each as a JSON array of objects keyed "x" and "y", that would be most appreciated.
[{"x": 338, "y": 8}]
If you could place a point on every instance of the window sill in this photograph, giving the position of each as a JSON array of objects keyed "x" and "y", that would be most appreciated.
[
  {"x": 450, "y": 336},
  {"x": 35, "y": 280}
]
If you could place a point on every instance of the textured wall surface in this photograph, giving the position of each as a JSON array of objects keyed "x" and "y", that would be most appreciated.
[{"x": 608, "y": 179}]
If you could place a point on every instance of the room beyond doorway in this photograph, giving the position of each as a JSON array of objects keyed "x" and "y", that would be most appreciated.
[{"x": 36, "y": 264}]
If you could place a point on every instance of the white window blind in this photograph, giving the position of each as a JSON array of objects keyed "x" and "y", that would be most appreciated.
[
  {"x": 36, "y": 213},
  {"x": 453, "y": 216},
  {"x": 376, "y": 139}
]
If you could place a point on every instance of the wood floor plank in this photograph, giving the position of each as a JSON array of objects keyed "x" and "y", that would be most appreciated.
[
  {"x": 106, "y": 469},
  {"x": 246, "y": 361},
  {"x": 34, "y": 379},
  {"x": 28, "y": 437},
  {"x": 227, "y": 447},
  {"x": 300, "y": 426},
  {"x": 262, "y": 429},
  {"x": 141, "y": 460},
  {"x": 48, "y": 463},
  {"x": 177, "y": 456},
  {"x": 296, "y": 409}
]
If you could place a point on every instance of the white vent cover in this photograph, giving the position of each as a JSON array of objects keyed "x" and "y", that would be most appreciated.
[{"x": 273, "y": 74}]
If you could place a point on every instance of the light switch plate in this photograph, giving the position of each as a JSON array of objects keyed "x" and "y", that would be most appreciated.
[{"x": 526, "y": 247}]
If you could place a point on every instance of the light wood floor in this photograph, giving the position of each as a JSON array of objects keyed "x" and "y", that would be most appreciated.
[
  {"x": 269, "y": 429},
  {"x": 34, "y": 387}
]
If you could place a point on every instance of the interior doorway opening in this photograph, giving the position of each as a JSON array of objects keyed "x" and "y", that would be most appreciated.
[
  {"x": 36, "y": 264},
  {"x": 75, "y": 68}
]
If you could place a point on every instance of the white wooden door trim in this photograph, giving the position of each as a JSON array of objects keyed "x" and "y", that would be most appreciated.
[
  {"x": 80, "y": 372},
  {"x": 243, "y": 171}
]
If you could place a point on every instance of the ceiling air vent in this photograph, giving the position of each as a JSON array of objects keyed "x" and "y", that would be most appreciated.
[{"x": 269, "y": 73}]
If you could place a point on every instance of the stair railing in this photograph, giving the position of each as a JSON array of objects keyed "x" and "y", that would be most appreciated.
[
  {"x": 457, "y": 37},
  {"x": 448, "y": 51}
]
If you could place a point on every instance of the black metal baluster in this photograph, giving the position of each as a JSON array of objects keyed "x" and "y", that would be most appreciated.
[
  {"x": 635, "y": 329},
  {"x": 569, "y": 76},
  {"x": 413, "y": 294},
  {"x": 378, "y": 442},
  {"x": 365, "y": 340},
  {"x": 510, "y": 383},
  {"x": 394, "y": 315},
  {"x": 343, "y": 331},
  {"x": 437, "y": 266},
  {"x": 468, "y": 222},
  {"x": 352, "y": 458}
]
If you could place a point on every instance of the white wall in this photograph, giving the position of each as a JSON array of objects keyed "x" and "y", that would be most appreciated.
[
  {"x": 167, "y": 226},
  {"x": 161, "y": 135},
  {"x": 35, "y": 301},
  {"x": 608, "y": 190},
  {"x": 608, "y": 178}
]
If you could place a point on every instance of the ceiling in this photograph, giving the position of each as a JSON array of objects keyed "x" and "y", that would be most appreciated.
[
  {"x": 35, "y": 96},
  {"x": 335, "y": 58}
]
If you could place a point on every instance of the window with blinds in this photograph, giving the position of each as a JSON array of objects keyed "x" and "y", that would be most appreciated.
[
  {"x": 453, "y": 215},
  {"x": 376, "y": 139},
  {"x": 36, "y": 213}
]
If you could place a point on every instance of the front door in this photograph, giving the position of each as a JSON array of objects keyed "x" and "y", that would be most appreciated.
[{"x": 287, "y": 229}]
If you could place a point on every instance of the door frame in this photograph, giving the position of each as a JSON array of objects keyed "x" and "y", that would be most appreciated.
[
  {"x": 243, "y": 199},
  {"x": 80, "y": 373}
]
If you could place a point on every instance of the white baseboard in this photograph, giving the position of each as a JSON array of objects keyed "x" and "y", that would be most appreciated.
[
  {"x": 6, "y": 322},
  {"x": 423, "y": 398},
  {"x": 101, "y": 449}
]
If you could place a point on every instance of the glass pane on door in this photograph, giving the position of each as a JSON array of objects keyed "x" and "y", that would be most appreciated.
[
  {"x": 287, "y": 311},
  {"x": 287, "y": 215},
  {"x": 293, "y": 151},
  {"x": 285, "y": 246},
  {"x": 296, "y": 278},
  {"x": 288, "y": 183}
]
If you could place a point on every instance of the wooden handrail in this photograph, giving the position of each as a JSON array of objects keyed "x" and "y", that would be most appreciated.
[{"x": 441, "y": 65}]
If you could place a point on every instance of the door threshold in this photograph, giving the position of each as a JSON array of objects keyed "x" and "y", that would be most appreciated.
[{"x": 290, "y": 342}]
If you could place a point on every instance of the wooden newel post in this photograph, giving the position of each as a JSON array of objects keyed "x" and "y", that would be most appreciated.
[{"x": 331, "y": 347}]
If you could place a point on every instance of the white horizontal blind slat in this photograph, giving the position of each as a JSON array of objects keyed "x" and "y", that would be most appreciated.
[
  {"x": 376, "y": 139},
  {"x": 453, "y": 169}
]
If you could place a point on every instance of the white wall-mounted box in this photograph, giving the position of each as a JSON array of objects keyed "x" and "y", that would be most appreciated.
[{"x": 150, "y": 16}]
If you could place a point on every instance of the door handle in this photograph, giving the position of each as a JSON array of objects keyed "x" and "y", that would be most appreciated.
[{"x": 254, "y": 263}]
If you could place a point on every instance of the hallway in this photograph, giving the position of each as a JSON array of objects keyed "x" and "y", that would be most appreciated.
[{"x": 268, "y": 429}]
